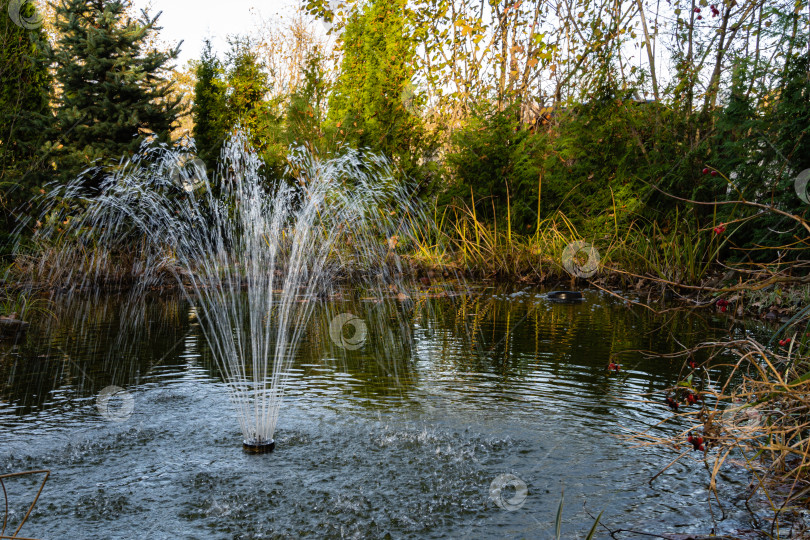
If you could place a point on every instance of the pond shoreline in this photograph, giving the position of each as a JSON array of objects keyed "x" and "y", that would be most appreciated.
[{"x": 764, "y": 297}]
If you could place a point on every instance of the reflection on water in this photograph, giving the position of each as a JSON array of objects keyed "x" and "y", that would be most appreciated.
[{"x": 387, "y": 428}]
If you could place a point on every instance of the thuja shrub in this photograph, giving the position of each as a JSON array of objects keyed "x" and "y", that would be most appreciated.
[
  {"x": 759, "y": 147},
  {"x": 496, "y": 163},
  {"x": 602, "y": 157}
]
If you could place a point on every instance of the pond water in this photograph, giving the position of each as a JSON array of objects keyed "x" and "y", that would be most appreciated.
[{"x": 401, "y": 437}]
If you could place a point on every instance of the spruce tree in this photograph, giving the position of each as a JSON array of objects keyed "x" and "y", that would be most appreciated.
[
  {"x": 209, "y": 107},
  {"x": 112, "y": 85}
]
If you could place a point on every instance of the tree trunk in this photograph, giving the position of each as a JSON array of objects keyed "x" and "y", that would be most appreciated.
[{"x": 650, "y": 53}]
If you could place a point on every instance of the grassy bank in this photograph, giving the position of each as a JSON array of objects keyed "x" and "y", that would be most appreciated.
[{"x": 677, "y": 261}]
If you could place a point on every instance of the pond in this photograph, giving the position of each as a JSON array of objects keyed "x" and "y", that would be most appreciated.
[{"x": 403, "y": 434}]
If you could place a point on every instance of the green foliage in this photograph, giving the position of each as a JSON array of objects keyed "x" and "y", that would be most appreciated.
[
  {"x": 592, "y": 163},
  {"x": 246, "y": 98},
  {"x": 499, "y": 165},
  {"x": 303, "y": 123},
  {"x": 209, "y": 108},
  {"x": 680, "y": 254},
  {"x": 608, "y": 162},
  {"x": 367, "y": 106},
  {"x": 24, "y": 83},
  {"x": 23, "y": 304},
  {"x": 759, "y": 148},
  {"x": 602, "y": 154},
  {"x": 117, "y": 90},
  {"x": 234, "y": 94},
  {"x": 305, "y": 111},
  {"x": 24, "y": 116}
]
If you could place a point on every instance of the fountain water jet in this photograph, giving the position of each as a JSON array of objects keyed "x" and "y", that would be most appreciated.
[{"x": 253, "y": 259}]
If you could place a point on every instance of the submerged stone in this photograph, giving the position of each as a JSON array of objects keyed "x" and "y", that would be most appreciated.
[{"x": 565, "y": 296}]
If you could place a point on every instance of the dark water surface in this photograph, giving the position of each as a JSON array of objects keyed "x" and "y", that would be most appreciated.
[{"x": 389, "y": 440}]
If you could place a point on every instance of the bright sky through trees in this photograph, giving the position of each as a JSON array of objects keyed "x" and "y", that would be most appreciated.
[{"x": 192, "y": 21}]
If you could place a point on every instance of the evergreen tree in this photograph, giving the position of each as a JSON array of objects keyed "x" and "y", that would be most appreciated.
[
  {"x": 498, "y": 165},
  {"x": 773, "y": 148},
  {"x": 373, "y": 102},
  {"x": 304, "y": 111},
  {"x": 112, "y": 86},
  {"x": 24, "y": 110},
  {"x": 209, "y": 109},
  {"x": 248, "y": 86}
]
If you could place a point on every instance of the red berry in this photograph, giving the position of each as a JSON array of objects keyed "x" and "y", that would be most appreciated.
[
  {"x": 714, "y": 173},
  {"x": 699, "y": 17},
  {"x": 787, "y": 340},
  {"x": 722, "y": 309},
  {"x": 706, "y": 171},
  {"x": 782, "y": 342}
]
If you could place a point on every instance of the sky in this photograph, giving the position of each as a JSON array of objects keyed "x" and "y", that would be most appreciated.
[{"x": 194, "y": 20}]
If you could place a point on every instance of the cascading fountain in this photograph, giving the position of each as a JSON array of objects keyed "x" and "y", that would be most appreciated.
[{"x": 253, "y": 259}]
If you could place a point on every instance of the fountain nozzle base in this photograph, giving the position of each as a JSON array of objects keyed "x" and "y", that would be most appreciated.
[{"x": 258, "y": 447}]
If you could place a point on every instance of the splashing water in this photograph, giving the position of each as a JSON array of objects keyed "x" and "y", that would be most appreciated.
[{"x": 253, "y": 259}]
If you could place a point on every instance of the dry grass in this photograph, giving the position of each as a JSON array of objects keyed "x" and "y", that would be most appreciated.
[
  {"x": 757, "y": 417},
  {"x": 457, "y": 238}
]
